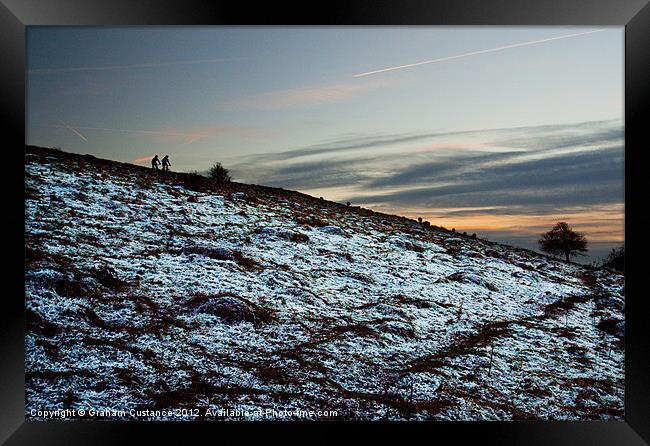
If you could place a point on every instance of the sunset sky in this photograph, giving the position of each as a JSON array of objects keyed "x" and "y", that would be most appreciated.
[{"x": 496, "y": 130}]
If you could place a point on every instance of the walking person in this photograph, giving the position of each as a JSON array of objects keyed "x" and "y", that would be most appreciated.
[
  {"x": 154, "y": 162},
  {"x": 166, "y": 163}
]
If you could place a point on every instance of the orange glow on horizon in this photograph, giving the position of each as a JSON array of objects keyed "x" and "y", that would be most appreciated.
[{"x": 599, "y": 224}]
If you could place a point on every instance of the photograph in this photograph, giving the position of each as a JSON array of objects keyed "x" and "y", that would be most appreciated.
[{"x": 325, "y": 223}]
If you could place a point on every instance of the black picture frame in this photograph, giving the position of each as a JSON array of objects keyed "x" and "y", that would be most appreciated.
[{"x": 16, "y": 15}]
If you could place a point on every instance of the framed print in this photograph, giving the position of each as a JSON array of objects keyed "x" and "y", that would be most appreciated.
[{"x": 382, "y": 216}]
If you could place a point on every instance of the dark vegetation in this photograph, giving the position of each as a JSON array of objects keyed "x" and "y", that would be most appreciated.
[
  {"x": 615, "y": 259},
  {"x": 223, "y": 254},
  {"x": 219, "y": 173},
  {"x": 562, "y": 239},
  {"x": 231, "y": 309}
]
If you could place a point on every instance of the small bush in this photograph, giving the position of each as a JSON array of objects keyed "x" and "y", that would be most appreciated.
[
  {"x": 298, "y": 237},
  {"x": 195, "y": 182},
  {"x": 232, "y": 309},
  {"x": 108, "y": 278},
  {"x": 223, "y": 254},
  {"x": 219, "y": 173},
  {"x": 35, "y": 323},
  {"x": 311, "y": 220},
  {"x": 615, "y": 259},
  {"x": 613, "y": 327}
]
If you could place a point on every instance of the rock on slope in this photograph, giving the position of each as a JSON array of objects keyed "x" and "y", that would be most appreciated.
[{"x": 154, "y": 291}]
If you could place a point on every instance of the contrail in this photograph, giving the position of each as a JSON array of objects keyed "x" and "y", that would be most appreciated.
[
  {"x": 152, "y": 132},
  {"x": 122, "y": 67},
  {"x": 473, "y": 53},
  {"x": 190, "y": 137},
  {"x": 74, "y": 131}
]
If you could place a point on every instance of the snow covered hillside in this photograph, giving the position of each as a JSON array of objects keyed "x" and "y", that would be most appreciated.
[{"x": 148, "y": 290}]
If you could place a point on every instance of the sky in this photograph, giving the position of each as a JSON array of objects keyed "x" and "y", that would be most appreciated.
[{"x": 498, "y": 131}]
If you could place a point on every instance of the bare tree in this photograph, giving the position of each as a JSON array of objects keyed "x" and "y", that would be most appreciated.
[
  {"x": 563, "y": 240},
  {"x": 615, "y": 259}
]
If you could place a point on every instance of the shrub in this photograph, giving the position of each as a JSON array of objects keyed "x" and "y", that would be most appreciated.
[
  {"x": 108, "y": 278},
  {"x": 615, "y": 259},
  {"x": 194, "y": 183},
  {"x": 232, "y": 309},
  {"x": 223, "y": 254},
  {"x": 219, "y": 173}
]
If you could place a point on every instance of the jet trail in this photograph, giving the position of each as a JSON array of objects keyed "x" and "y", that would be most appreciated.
[
  {"x": 122, "y": 67},
  {"x": 190, "y": 137},
  {"x": 149, "y": 132},
  {"x": 75, "y": 131},
  {"x": 473, "y": 53}
]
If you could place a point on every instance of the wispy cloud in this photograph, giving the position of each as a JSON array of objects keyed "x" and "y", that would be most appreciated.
[
  {"x": 506, "y": 184},
  {"x": 577, "y": 179},
  {"x": 195, "y": 134},
  {"x": 491, "y": 140},
  {"x": 349, "y": 144},
  {"x": 130, "y": 66},
  {"x": 142, "y": 159},
  {"x": 474, "y": 53},
  {"x": 305, "y": 96}
]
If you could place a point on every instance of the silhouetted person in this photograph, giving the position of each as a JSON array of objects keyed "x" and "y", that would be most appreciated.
[
  {"x": 154, "y": 162},
  {"x": 166, "y": 163}
]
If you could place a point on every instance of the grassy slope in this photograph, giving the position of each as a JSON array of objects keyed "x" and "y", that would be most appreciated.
[{"x": 152, "y": 290}]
